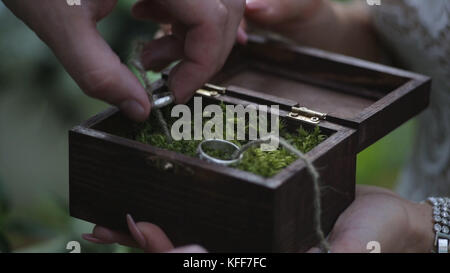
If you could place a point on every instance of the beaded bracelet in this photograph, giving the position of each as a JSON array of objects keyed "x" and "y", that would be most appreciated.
[{"x": 441, "y": 217}]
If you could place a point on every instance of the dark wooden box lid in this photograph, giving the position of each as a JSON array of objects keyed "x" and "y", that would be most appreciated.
[{"x": 369, "y": 97}]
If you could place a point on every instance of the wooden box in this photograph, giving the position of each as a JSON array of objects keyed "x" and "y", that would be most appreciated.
[{"x": 225, "y": 209}]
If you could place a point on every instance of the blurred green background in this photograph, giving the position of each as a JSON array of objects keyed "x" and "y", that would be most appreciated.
[{"x": 39, "y": 103}]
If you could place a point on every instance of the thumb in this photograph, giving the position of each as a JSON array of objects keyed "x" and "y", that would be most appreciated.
[{"x": 99, "y": 71}]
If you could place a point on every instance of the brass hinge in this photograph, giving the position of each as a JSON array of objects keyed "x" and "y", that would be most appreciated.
[
  {"x": 211, "y": 90},
  {"x": 307, "y": 115}
]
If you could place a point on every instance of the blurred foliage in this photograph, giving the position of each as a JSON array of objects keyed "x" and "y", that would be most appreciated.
[
  {"x": 39, "y": 103},
  {"x": 381, "y": 163},
  {"x": 5, "y": 245}
]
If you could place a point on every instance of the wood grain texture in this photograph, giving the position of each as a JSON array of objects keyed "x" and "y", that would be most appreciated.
[
  {"x": 221, "y": 208},
  {"x": 372, "y": 98}
]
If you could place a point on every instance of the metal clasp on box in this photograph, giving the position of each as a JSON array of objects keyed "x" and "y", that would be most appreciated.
[
  {"x": 307, "y": 115},
  {"x": 161, "y": 100},
  {"x": 211, "y": 90}
]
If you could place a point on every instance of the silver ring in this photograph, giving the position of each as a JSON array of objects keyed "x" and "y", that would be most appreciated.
[
  {"x": 218, "y": 144},
  {"x": 162, "y": 100}
]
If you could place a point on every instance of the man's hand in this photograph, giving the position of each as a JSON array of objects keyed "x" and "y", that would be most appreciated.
[
  {"x": 203, "y": 34},
  {"x": 205, "y": 28}
]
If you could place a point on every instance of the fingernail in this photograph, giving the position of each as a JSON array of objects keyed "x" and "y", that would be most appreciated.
[
  {"x": 315, "y": 250},
  {"x": 256, "y": 5},
  {"x": 137, "y": 234},
  {"x": 89, "y": 237},
  {"x": 189, "y": 249},
  {"x": 242, "y": 36},
  {"x": 104, "y": 234},
  {"x": 133, "y": 110}
]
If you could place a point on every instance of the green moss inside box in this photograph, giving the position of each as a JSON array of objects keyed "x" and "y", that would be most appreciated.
[{"x": 264, "y": 163}]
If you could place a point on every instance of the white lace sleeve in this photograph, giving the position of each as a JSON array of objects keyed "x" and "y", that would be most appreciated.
[{"x": 418, "y": 32}]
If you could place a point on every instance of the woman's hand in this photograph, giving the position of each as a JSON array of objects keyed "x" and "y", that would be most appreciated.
[
  {"x": 342, "y": 28},
  {"x": 146, "y": 236},
  {"x": 279, "y": 14},
  {"x": 379, "y": 215},
  {"x": 205, "y": 31}
]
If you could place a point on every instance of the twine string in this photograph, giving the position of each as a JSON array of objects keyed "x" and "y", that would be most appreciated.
[
  {"x": 136, "y": 62},
  {"x": 317, "y": 222}
]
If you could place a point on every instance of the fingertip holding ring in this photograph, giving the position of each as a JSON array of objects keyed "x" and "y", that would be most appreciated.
[{"x": 162, "y": 100}]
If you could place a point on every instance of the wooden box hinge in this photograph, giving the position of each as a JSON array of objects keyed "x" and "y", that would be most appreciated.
[
  {"x": 211, "y": 90},
  {"x": 307, "y": 115}
]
